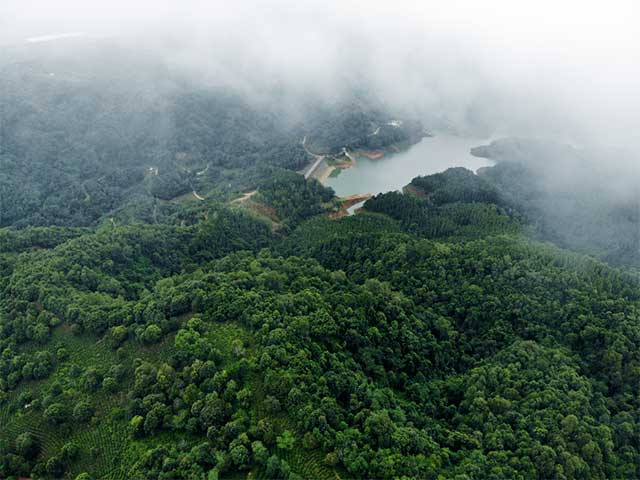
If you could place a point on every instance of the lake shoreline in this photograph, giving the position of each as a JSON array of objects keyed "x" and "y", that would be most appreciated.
[
  {"x": 373, "y": 171},
  {"x": 330, "y": 164},
  {"x": 346, "y": 203},
  {"x": 335, "y": 165},
  {"x": 350, "y": 159}
]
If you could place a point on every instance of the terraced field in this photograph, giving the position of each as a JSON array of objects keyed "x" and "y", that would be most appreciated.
[
  {"x": 106, "y": 448},
  {"x": 102, "y": 442}
]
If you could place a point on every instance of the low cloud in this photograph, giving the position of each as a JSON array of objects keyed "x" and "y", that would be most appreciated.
[{"x": 567, "y": 70}]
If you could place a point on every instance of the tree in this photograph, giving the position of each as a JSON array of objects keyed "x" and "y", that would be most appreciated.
[
  {"x": 91, "y": 379},
  {"x": 55, "y": 467},
  {"x": 137, "y": 425},
  {"x": 154, "y": 418},
  {"x": 276, "y": 468},
  {"x": 380, "y": 427},
  {"x": 240, "y": 456},
  {"x": 69, "y": 452},
  {"x": 119, "y": 334},
  {"x": 151, "y": 334},
  {"x": 82, "y": 412},
  {"x": 109, "y": 384},
  {"x": 27, "y": 445},
  {"x": 260, "y": 452},
  {"x": 286, "y": 441},
  {"x": 40, "y": 333},
  {"x": 56, "y": 413}
]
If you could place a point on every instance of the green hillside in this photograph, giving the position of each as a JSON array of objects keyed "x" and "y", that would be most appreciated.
[
  {"x": 379, "y": 346},
  {"x": 178, "y": 302}
]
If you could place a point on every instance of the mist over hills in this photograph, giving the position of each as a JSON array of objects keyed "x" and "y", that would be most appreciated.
[
  {"x": 584, "y": 199},
  {"x": 182, "y": 296}
]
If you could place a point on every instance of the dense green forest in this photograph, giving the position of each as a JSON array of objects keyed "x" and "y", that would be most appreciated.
[
  {"x": 90, "y": 141},
  {"x": 87, "y": 143},
  {"x": 367, "y": 347},
  {"x": 147, "y": 332}
]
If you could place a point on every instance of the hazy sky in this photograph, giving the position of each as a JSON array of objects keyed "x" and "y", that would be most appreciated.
[{"x": 540, "y": 66}]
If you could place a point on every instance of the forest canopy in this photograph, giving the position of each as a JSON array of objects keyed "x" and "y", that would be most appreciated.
[{"x": 177, "y": 300}]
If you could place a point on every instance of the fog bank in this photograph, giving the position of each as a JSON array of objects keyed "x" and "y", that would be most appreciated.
[{"x": 567, "y": 70}]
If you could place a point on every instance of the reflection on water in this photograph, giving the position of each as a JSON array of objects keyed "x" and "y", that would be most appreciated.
[{"x": 431, "y": 155}]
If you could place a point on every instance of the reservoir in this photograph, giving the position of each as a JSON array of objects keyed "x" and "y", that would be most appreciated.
[{"x": 394, "y": 171}]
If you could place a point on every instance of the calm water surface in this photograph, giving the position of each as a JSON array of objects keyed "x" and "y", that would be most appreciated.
[{"x": 431, "y": 155}]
